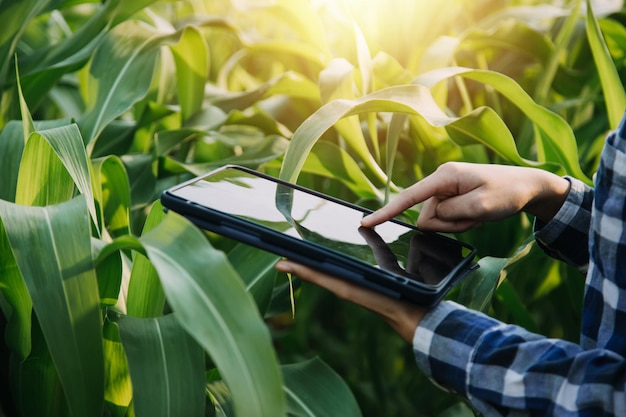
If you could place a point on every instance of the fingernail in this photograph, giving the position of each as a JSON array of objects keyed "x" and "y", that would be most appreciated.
[{"x": 366, "y": 218}]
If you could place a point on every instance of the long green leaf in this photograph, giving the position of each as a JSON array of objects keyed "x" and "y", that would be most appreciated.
[
  {"x": 192, "y": 70},
  {"x": 314, "y": 390},
  {"x": 67, "y": 143},
  {"x": 14, "y": 17},
  {"x": 557, "y": 131},
  {"x": 329, "y": 160},
  {"x": 409, "y": 99},
  {"x": 11, "y": 149},
  {"x": 12, "y": 145},
  {"x": 210, "y": 302},
  {"x": 478, "y": 289},
  {"x": 118, "y": 393},
  {"x": 336, "y": 83},
  {"x": 256, "y": 269},
  {"x": 291, "y": 83},
  {"x": 266, "y": 150},
  {"x": 145, "y": 292},
  {"x": 121, "y": 73},
  {"x": 64, "y": 291},
  {"x": 612, "y": 87},
  {"x": 19, "y": 309},
  {"x": 166, "y": 367},
  {"x": 482, "y": 125},
  {"x": 111, "y": 190},
  {"x": 36, "y": 377},
  {"x": 42, "y": 178}
]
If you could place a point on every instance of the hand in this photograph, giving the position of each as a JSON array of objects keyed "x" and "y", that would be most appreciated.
[
  {"x": 403, "y": 317},
  {"x": 459, "y": 196}
]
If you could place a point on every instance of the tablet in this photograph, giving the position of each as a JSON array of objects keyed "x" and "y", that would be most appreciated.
[{"x": 322, "y": 232}]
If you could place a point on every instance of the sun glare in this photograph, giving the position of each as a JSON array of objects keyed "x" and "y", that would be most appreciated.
[{"x": 402, "y": 28}]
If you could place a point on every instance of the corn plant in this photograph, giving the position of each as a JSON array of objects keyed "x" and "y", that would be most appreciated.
[{"x": 112, "y": 307}]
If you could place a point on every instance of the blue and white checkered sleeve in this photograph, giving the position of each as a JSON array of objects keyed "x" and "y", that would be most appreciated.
[
  {"x": 505, "y": 370},
  {"x": 604, "y": 315}
]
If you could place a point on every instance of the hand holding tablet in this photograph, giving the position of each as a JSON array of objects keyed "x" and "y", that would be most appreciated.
[{"x": 323, "y": 233}]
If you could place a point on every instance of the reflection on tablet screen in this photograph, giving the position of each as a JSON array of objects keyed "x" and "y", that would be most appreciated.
[{"x": 391, "y": 246}]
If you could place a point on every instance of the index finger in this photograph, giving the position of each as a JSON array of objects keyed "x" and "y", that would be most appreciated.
[{"x": 415, "y": 194}]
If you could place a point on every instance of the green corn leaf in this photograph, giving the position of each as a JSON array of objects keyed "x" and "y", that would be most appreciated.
[
  {"x": 11, "y": 149},
  {"x": 46, "y": 65},
  {"x": 329, "y": 160},
  {"x": 256, "y": 269},
  {"x": 268, "y": 149},
  {"x": 481, "y": 126},
  {"x": 18, "y": 307},
  {"x": 50, "y": 155},
  {"x": 166, "y": 367},
  {"x": 301, "y": 58},
  {"x": 612, "y": 86},
  {"x": 408, "y": 99},
  {"x": 42, "y": 178},
  {"x": 15, "y": 15},
  {"x": 28, "y": 125},
  {"x": 192, "y": 69},
  {"x": 314, "y": 390},
  {"x": 68, "y": 146},
  {"x": 120, "y": 75},
  {"x": 337, "y": 82},
  {"x": 12, "y": 144},
  {"x": 64, "y": 291},
  {"x": 289, "y": 82},
  {"x": 118, "y": 393},
  {"x": 145, "y": 292},
  {"x": 36, "y": 377},
  {"x": 64, "y": 143},
  {"x": 112, "y": 195},
  {"x": 110, "y": 273},
  {"x": 112, "y": 192},
  {"x": 478, "y": 289},
  {"x": 210, "y": 302},
  {"x": 516, "y": 306},
  {"x": 556, "y": 130}
]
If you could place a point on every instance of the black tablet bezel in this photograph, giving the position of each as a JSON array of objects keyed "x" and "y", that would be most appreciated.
[{"x": 313, "y": 254}]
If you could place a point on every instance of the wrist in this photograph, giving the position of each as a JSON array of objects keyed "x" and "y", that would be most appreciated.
[
  {"x": 549, "y": 196},
  {"x": 404, "y": 319}
]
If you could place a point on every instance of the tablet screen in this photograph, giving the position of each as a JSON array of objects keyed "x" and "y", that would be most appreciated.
[{"x": 405, "y": 251}]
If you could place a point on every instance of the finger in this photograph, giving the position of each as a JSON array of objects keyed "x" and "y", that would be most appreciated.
[
  {"x": 415, "y": 194},
  {"x": 402, "y": 316},
  {"x": 431, "y": 217},
  {"x": 343, "y": 289}
]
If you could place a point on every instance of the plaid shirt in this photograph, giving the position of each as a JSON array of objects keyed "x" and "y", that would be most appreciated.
[{"x": 505, "y": 370}]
